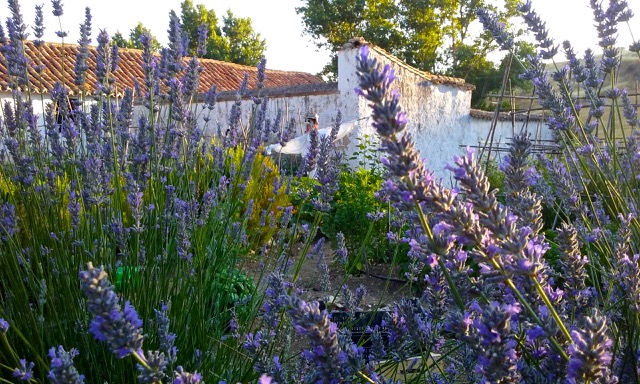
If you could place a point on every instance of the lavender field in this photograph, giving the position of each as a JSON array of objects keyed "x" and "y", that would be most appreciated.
[{"x": 126, "y": 237}]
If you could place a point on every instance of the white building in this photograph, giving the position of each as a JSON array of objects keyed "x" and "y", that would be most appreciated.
[{"x": 438, "y": 107}]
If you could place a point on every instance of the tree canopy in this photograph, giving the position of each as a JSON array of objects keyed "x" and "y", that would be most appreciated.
[
  {"x": 232, "y": 40},
  {"x": 134, "y": 38},
  {"x": 235, "y": 41},
  {"x": 431, "y": 35}
]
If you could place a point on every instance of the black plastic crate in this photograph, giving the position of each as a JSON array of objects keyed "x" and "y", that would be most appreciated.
[{"x": 358, "y": 323}]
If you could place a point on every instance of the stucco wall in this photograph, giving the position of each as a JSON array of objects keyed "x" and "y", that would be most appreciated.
[
  {"x": 433, "y": 111},
  {"x": 296, "y": 107},
  {"x": 438, "y": 114},
  {"x": 38, "y": 105}
]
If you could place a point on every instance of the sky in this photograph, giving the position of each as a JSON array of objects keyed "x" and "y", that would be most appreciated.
[{"x": 277, "y": 22}]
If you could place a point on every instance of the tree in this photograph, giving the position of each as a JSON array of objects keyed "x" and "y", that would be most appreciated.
[
  {"x": 331, "y": 23},
  {"x": 424, "y": 33},
  {"x": 134, "y": 38},
  {"x": 235, "y": 41},
  {"x": 487, "y": 76},
  {"x": 244, "y": 45},
  {"x": 137, "y": 32},
  {"x": 119, "y": 40}
]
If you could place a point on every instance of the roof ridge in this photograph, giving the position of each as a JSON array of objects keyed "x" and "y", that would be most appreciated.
[{"x": 434, "y": 78}]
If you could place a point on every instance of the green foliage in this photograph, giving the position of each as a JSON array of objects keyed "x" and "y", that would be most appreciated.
[
  {"x": 229, "y": 292},
  {"x": 476, "y": 69},
  {"x": 235, "y": 41},
  {"x": 304, "y": 186},
  {"x": 495, "y": 175},
  {"x": 366, "y": 154},
  {"x": 353, "y": 201},
  {"x": 259, "y": 190},
  {"x": 426, "y": 34},
  {"x": 134, "y": 39},
  {"x": 244, "y": 46}
]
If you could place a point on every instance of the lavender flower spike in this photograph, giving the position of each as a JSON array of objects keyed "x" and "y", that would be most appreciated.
[
  {"x": 497, "y": 28},
  {"x": 183, "y": 377},
  {"x": 590, "y": 356},
  {"x": 4, "y": 326},
  {"x": 325, "y": 352},
  {"x": 25, "y": 371},
  {"x": 57, "y": 8},
  {"x": 62, "y": 369},
  {"x": 121, "y": 330}
]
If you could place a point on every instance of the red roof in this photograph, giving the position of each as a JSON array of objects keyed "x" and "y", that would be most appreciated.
[{"x": 59, "y": 61}]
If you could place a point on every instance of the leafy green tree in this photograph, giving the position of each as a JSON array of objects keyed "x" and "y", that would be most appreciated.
[
  {"x": 119, "y": 40},
  {"x": 235, "y": 41},
  {"x": 431, "y": 35},
  {"x": 487, "y": 76},
  {"x": 137, "y": 32},
  {"x": 331, "y": 23},
  {"x": 134, "y": 38},
  {"x": 245, "y": 46}
]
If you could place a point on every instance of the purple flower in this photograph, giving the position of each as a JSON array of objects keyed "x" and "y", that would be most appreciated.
[
  {"x": 210, "y": 97},
  {"x": 183, "y": 377},
  {"x": 323, "y": 268},
  {"x": 167, "y": 339},
  {"x": 25, "y": 371},
  {"x": 81, "y": 66},
  {"x": 325, "y": 352},
  {"x": 498, "y": 29},
  {"x": 539, "y": 28},
  {"x": 310, "y": 159},
  {"x": 182, "y": 214},
  {"x": 4, "y": 325},
  {"x": 120, "y": 330},
  {"x": 57, "y": 7},
  {"x": 327, "y": 164},
  {"x": 341, "y": 252},
  {"x": 104, "y": 61},
  {"x": 154, "y": 371},
  {"x": 497, "y": 359},
  {"x": 171, "y": 60},
  {"x": 191, "y": 78},
  {"x": 589, "y": 355},
  {"x": 262, "y": 65},
  {"x": 62, "y": 369},
  {"x": 629, "y": 110},
  {"x": 8, "y": 221},
  {"x": 203, "y": 30},
  {"x": 38, "y": 28}
]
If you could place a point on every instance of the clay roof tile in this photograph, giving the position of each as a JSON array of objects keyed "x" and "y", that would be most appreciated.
[{"x": 59, "y": 61}]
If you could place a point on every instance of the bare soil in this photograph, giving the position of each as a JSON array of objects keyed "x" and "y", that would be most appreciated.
[{"x": 382, "y": 282}]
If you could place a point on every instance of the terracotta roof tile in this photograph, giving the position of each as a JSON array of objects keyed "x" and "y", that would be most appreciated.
[
  {"x": 227, "y": 76},
  {"x": 436, "y": 79}
]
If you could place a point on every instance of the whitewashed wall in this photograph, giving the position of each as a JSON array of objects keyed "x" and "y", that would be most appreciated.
[
  {"x": 38, "y": 105},
  {"x": 438, "y": 114},
  {"x": 434, "y": 111},
  {"x": 505, "y": 130},
  {"x": 296, "y": 107}
]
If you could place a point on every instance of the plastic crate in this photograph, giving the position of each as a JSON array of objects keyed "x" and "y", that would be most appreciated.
[{"x": 358, "y": 323}]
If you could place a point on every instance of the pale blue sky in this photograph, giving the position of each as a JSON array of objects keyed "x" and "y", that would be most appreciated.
[{"x": 277, "y": 21}]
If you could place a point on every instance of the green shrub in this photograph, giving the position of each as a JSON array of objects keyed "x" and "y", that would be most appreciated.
[{"x": 352, "y": 203}]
